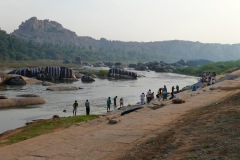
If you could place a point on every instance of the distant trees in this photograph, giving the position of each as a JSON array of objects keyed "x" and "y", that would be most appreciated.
[{"x": 78, "y": 60}]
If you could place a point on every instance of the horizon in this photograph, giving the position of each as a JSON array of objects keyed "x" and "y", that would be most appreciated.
[{"x": 211, "y": 22}]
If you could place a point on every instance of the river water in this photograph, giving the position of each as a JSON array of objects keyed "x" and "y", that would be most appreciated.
[{"x": 96, "y": 92}]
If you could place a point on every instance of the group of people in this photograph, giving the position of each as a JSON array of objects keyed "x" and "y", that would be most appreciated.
[
  {"x": 87, "y": 105},
  {"x": 207, "y": 79},
  {"x": 109, "y": 102},
  {"x": 75, "y": 106},
  {"x": 162, "y": 94}
]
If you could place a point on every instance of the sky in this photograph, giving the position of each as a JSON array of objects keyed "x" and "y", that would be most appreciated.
[{"x": 207, "y": 21}]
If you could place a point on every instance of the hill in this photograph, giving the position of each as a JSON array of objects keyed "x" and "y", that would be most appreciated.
[{"x": 45, "y": 31}]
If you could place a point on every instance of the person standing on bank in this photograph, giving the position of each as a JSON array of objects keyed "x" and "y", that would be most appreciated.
[
  {"x": 149, "y": 95},
  {"x": 173, "y": 89},
  {"x": 115, "y": 101},
  {"x": 75, "y": 105},
  {"x": 121, "y": 102},
  {"x": 177, "y": 87},
  {"x": 87, "y": 105},
  {"x": 142, "y": 97},
  {"x": 164, "y": 92},
  {"x": 108, "y": 104}
]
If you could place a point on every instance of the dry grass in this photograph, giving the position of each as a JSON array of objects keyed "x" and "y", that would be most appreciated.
[{"x": 211, "y": 132}]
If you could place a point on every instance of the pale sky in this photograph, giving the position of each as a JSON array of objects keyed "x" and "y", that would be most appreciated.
[{"x": 207, "y": 21}]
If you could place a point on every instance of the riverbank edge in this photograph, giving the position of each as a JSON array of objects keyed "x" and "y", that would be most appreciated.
[{"x": 42, "y": 126}]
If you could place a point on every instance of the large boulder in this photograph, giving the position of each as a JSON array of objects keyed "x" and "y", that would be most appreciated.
[
  {"x": 132, "y": 65},
  {"x": 118, "y": 73},
  {"x": 177, "y": 101},
  {"x": 17, "y": 80},
  {"x": 87, "y": 79},
  {"x": 28, "y": 95},
  {"x": 141, "y": 67},
  {"x": 62, "y": 88},
  {"x": 21, "y": 102},
  {"x": 160, "y": 69},
  {"x": 46, "y": 74},
  {"x": 47, "y": 84},
  {"x": 3, "y": 97}
]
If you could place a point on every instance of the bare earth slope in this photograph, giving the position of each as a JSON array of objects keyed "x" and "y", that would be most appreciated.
[
  {"x": 210, "y": 132},
  {"x": 99, "y": 140}
]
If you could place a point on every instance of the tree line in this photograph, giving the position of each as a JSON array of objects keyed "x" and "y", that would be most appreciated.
[{"x": 14, "y": 48}]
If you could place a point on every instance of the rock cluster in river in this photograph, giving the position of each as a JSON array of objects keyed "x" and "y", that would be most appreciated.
[{"x": 157, "y": 66}]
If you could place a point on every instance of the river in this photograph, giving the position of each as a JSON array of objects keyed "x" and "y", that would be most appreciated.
[{"x": 96, "y": 92}]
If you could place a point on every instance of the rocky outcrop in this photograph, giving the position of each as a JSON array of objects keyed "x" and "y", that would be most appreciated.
[
  {"x": 62, "y": 88},
  {"x": 28, "y": 95},
  {"x": 21, "y": 102},
  {"x": 154, "y": 66},
  {"x": 118, "y": 73},
  {"x": 178, "y": 101},
  {"x": 46, "y": 31},
  {"x": 47, "y": 84},
  {"x": 16, "y": 80},
  {"x": 3, "y": 97},
  {"x": 47, "y": 73},
  {"x": 87, "y": 79}
]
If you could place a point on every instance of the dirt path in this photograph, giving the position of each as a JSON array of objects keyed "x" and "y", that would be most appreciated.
[{"x": 99, "y": 140}]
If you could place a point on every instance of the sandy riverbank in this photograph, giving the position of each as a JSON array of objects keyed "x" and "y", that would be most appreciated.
[{"x": 99, "y": 140}]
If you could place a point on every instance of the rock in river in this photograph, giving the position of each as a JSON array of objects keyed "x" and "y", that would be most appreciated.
[
  {"x": 21, "y": 102},
  {"x": 62, "y": 88}
]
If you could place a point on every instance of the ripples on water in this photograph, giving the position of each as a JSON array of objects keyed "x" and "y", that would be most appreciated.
[{"x": 96, "y": 92}]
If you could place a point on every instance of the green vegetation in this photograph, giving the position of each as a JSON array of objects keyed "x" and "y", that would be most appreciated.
[
  {"x": 13, "y": 48},
  {"x": 100, "y": 73},
  {"x": 37, "y": 63},
  {"x": 43, "y": 127},
  {"x": 218, "y": 67}
]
